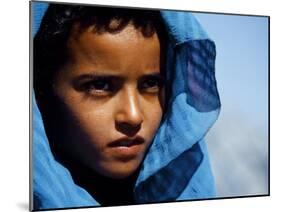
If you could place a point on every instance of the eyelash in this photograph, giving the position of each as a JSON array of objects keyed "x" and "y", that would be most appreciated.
[
  {"x": 151, "y": 84},
  {"x": 98, "y": 86}
]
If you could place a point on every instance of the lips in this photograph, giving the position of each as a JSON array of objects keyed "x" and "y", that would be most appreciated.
[
  {"x": 126, "y": 142},
  {"x": 126, "y": 149}
]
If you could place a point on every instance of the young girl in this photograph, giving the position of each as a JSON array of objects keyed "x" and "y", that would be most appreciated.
[{"x": 126, "y": 98}]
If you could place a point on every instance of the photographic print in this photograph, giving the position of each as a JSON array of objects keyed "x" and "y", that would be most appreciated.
[{"x": 137, "y": 105}]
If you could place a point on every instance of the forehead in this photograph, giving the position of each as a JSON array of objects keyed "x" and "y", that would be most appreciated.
[{"x": 126, "y": 47}]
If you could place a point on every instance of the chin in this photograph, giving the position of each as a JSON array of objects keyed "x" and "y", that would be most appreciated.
[
  {"x": 120, "y": 175},
  {"x": 120, "y": 171}
]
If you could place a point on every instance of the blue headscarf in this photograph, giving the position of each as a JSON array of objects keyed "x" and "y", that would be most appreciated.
[{"x": 176, "y": 166}]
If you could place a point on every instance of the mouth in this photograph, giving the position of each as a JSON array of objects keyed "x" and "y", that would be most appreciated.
[
  {"x": 126, "y": 149},
  {"x": 126, "y": 142}
]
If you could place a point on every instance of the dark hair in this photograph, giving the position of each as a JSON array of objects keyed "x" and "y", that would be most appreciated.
[{"x": 50, "y": 51}]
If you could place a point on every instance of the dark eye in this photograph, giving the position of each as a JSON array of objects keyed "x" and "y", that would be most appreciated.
[
  {"x": 99, "y": 85},
  {"x": 151, "y": 84}
]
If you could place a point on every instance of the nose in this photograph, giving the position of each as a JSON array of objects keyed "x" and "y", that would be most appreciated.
[{"x": 129, "y": 116}]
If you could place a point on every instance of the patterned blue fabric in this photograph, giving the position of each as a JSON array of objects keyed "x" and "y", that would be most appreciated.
[
  {"x": 38, "y": 9},
  {"x": 53, "y": 186},
  {"x": 176, "y": 166}
]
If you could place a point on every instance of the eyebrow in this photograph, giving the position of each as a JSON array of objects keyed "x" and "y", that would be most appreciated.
[
  {"x": 94, "y": 76},
  {"x": 112, "y": 76}
]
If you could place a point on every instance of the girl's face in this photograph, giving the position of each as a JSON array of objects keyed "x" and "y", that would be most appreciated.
[{"x": 112, "y": 92}]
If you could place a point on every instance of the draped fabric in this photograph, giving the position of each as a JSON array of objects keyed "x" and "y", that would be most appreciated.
[{"x": 176, "y": 166}]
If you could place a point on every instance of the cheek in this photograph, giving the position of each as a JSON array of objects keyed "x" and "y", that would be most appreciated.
[
  {"x": 86, "y": 122},
  {"x": 153, "y": 116},
  {"x": 90, "y": 135},
  {"x": 93, "y": 121}
]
